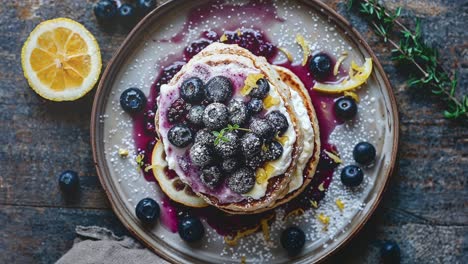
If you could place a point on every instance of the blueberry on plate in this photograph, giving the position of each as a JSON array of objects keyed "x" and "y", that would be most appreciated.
[
  {"x": 201, "y": 155},
  {"x": 127, "y": 14},
  {"x": 146, "y": 6},
  {"x": 211, "y": 176},
  {"x": 218, "y": 89},
  {"x": 255, "y": 161},
  {"x": 390, "y": 252},
  {"x": 293, "y": 240},
  {"x": 105, "y": 10},
  {"x": 229, "y": 146},
  {"x": 238, "y": 113},
  {"x": 230, "y": 164},
  {"x": 364, "y": 153},
  {"x": 251, "y": 144},
  {"x": 178, "y": 110},
  {"x": 262, "y": 89},
  {"x": 192, "y": 90},
  {"x": 180, "y": 136},
  {"x": 255, "y": 106},
  {"x": 242, "y": 180},
  {"x": 147, "y": 210},
  {"x": 216, "y": 116},
  {"x": 132, "y": 100},
  {"x": 320, "y": 66},
  {"x": 274, "y": 150},
  {"x": 205, "y": 137},
  {"x": 262, "y": 128},
  {"x": 191, "y": 229},
  {"x": 195, "y": 115},
  {"x": 278, "y": 120},
  {"x": 69, "y": 181},
  {"x": 352, "y": 176},
  {"x": 345, "y": 108}
]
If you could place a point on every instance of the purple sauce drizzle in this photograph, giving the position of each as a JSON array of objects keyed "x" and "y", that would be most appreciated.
[{"x": 255, "y": 41}]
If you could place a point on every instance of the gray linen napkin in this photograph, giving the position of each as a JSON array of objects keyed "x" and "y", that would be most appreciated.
[{"x": 99, "y": 245}]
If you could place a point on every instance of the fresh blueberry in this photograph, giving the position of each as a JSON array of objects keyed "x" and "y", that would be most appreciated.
[
  {"x": 211, "y": 176},
  {"x": 195, "y": 115},
  {"x": 262, "y": 128},
  {"x": 274, "y": 151},
  {"x": 192, "y": 90},
  {"x": 229, "y": 165},
  {"x": 228, "y": 147},
  {"x": 364, "y": 153},
  {"x": 191, "y": 229},
  {"x": 255, "y": 162},
  {"x": 69, "y": 181},
  {"x": 147, "y": 210},
  {"x": 255, "y": 106},
  {"x": 352, "y": 176},
  {"x": 262, "y": 89},
  {"x": 320, "y": 66},
  {"x": 205, "y": 137},
  {"x": 105, "y": 10},
  {"x": 127, "y": 14},
  {"x": 278, "y": 120},
  {"x": 390, "y": 252},
  {"x": 178, "y": 111},
  {"x": 180, "y": 136},
  {"x": 345, "y": 108},
  {"x": 293, "y": 240},
  {"x": 201, "y": 155},
  {"x": 216, "y": 116},
  {"x": 242, "y": 180},
  {"x": 218, "y": 89},
  {"x": 132, "y": 100},
  {"x": 238, "y": 113},
  {"x": 146, "y": 6},
  {"x": 251, "y": 144}
]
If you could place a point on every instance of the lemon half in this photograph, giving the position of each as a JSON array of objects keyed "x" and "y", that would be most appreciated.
[
  {"x": 358, "y": 75},
  {"x": 61, "y": 60}
]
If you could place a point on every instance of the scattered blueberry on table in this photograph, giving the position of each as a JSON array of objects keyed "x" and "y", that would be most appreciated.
[
  {"x": 127, "y": 14},
  {"x": 105, "y": 10},
  {"x": 293, "y": 240},
  {"x": 191, "y": 229},
  {"x": 352, "y": 176},
  {"x": 147, "y": 210},
  {"x": 345, "y": 108},
  {"x": 364, "y": 153},
  {"x": 132, "y": 100},
  {"x": 146, "y": 6},
  {"x": 69, "y": 182}
]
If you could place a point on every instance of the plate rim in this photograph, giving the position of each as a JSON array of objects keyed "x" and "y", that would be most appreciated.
[{"x": 323, "y": 10}]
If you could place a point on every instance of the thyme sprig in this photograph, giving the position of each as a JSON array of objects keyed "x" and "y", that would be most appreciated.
[
  {"x": 409, "y": 47},
  {"x": 220, "y": 134}
]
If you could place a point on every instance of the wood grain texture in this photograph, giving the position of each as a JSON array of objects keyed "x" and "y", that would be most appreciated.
[{"x": 425, "y": 209}]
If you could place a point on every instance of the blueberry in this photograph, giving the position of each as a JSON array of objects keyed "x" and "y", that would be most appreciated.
[
  {"x": 205, "y": 137},
  {"x": 262, "y": 128},
  {"x": 293, "y": 240},
  {"x": 262, "y": 89},
  {"x": 178, "y": 111},
  {"x": 146, "y": 6},
  {"x": 230, "y": 164},
  {"x": 255, "y": 162},
  {"x": 69, "y": 182},
  {"x": 211, "y": 176},
  {"x": 345, "y": 108},
  {"x": 191, "y": 229},
  {"x": 105, "y": 10},
  {"x": 201, "y": 155},
  {"x": 320, "y": 66},
  {"x": 180, "y": 136},
  {"x": 215, "y": 116},
  {"x": 278, "y": 120},
  {"x": 251, "y": 144},
  {"x": 255, "y": 106},
  {"x": 132, "y": 100},
  {"x": 127, "y": 13},
  {"x": 352, "y": 176},
  {"x": 218, "y": 89},
  {"x": 147, "y": 210},
  {"x": 195, "y": 115},
  {"x": 192, "y": 90},
  {"x": 229, "y": 147},
  {"x": 390, "y": 252},
  {"x": 274, "y": 151},
  {"x": 238, "y": 113},
  {"x": 364, "y": 153},
  {"x": 242, "y": 180}
]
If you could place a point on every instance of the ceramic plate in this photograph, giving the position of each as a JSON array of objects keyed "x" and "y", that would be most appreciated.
[{"x": 158, "y": 42}]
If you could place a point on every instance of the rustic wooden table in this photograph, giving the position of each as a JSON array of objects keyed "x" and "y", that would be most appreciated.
[{"x": 425, "y": 209}]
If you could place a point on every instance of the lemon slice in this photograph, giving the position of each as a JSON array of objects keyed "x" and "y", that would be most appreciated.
[
  {"x": 174, "y": 188},
  {"x": 357, "y": 76},
  {"x": 61, "y": 60}
]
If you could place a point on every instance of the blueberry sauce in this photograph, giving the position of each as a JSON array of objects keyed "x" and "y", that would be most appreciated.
[{"x": 256, "y": 41}]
